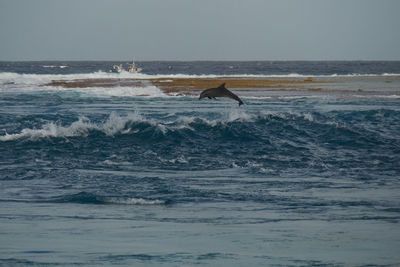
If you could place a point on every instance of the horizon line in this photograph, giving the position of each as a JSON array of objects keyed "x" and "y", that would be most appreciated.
[{"x": 207, "y": 60}]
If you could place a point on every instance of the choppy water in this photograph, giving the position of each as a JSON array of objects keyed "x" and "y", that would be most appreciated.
[{"x": 89, "y": 179}]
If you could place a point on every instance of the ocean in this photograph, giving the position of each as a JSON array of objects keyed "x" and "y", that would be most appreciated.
[{"x": 116, "y": 175}]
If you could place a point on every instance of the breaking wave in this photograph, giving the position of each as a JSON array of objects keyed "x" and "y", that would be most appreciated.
[
  {"x": 262, "y": 142},
  {"x": 235, "y": 124},
  {"x": 85, "y": 197},
  {"x": 55, "y": 66},
  {"x": 91, "y": 198},
  {"x": 132, "y": 123},
  {"x": 82, "y": 127},
  {"x": 39, "y": 79},
  {"x": 148, "y": 91},
  {"x": 29, "y": 83}
]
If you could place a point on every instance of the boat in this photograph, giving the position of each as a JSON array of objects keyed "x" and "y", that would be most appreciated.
[
  {"x": 117, "y": 68},
  {"x": 133, "y": 68}
]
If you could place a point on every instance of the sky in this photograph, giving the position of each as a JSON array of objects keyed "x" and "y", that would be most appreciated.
[{"x": 199, "y": 30}]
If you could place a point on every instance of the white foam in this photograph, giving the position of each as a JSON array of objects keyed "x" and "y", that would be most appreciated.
[
  {"x": 114, "y": 124},
  {"x": 181, "y": 159},
  {"x": 148, "y": 91},
  {"x": 54, "y": 66},
  {"x": 378, "y": 96},
  {"x": 133, "y": 201},
  {"x": 26, "y": 83},
  {"x": 40, "y": 79},
  {"x": 121, "y": 124},
  {"x": 239, "y": 115},
  {"x": 229, "y": 116},
  {"x": 391, "y": 74},
  {"x": 78, "y": 128}
]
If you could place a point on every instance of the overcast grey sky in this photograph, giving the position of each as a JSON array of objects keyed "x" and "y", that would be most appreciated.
[{"x": 199, "y": 30}]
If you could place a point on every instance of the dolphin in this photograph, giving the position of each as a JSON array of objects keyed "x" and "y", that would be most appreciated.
[{"x": 220, "y": 91}]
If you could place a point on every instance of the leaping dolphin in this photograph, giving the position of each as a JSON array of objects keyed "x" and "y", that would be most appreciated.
[{"x": 220, "y": 91}]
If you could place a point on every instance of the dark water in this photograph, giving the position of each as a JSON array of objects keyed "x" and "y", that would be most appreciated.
[
  {"x": 89, "y": 179},
  {"x": 211, "y": 67}
]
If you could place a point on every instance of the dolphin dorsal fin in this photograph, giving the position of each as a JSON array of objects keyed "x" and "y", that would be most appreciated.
[{"x": 222, "y": 86}]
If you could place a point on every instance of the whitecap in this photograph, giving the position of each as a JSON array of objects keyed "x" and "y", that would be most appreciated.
[
  {"x": 132, "y": 201},
  {"x": 239, "y": 115},
  {"x": 77, "y": 128},
  {"x": 148, "y": 91},
  {"x": 114, "y": 124}
]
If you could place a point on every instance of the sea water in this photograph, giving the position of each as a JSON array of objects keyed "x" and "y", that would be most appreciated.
[{"x": 108, "y": 177}]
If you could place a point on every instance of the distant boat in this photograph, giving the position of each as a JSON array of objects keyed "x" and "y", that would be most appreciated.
[
  {"x": 116, "y": 68},
  {"x": 133, "y": 68}
]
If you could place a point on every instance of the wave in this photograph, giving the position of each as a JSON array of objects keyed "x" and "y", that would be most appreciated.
[
  {"x": 132, "y": 201},
  {"x": 117, "y": 124},
  {"x": 91, "y": 198},
  {"x": 55, "y": 66},
  {"x": 82, "y": 127},
  {"x": 234, "y": 124},
  {"x": 34, "y": 83},
  {"x": 28, "y": 83},
  {"x": 118, "y": 91},
  {"x": 262, "y": 143},
  {"x": 39, "y": 79},
  {"x": 85, "y": 197}
]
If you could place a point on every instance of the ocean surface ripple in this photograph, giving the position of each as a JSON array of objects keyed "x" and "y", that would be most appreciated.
[{"x": 118, "y": 179}]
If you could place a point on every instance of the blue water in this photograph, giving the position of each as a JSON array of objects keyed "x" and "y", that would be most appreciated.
[
  {"x": 210, "y": 67},
  {"x": 101, "y": 180}
]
